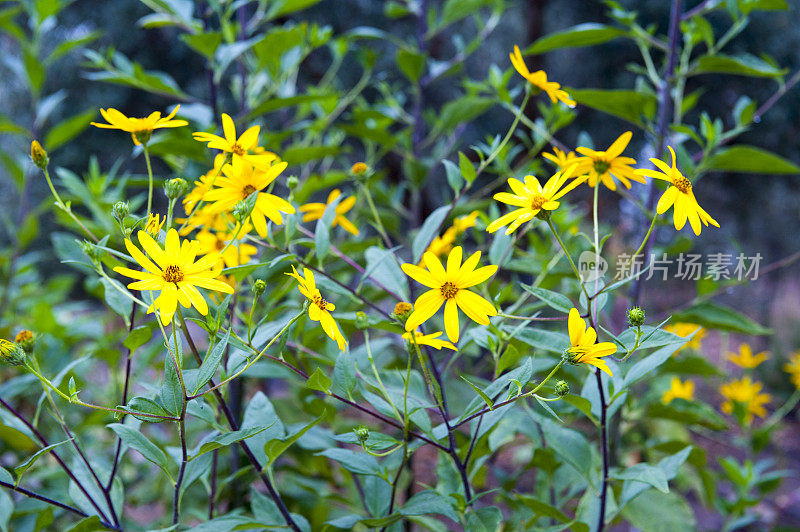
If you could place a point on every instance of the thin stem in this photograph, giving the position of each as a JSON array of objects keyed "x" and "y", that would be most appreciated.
[
  {"x": 378, "y": 377},
  {"x": 604, "y": 448},
  {"x": 53, "y": 502},
  {"x": 149, "y": 180},
  {"x": 66, "y": 208},
  {"x": 184, "y": 459},
  {"x": 569, "y": 258},
  {"x": 378, "y": 224}
]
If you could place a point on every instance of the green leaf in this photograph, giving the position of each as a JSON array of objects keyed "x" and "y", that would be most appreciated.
[
  {"x": 582, "y": 404},
  {"x": 5, "y": 476},
  {"x": 553, "y": 299},
  {"x": 145, "y": 405},
  {"x": 540, "y": 338},
  {"x": 211, "y": 362},
  {"x": 715, "y": 316},
  {"x": 344, "y": 374},
  {"x": 487, "y": 519},
  {"x": 455, "y": 10},
  {"x": 68, "y": 129},
  {"x": 276, "y": 447},
  {"x": 428, "y": 231},
  {"x": 645, "y": 473},
  {"x": 299, "y": 154},
  {"x": 647, "y": 365},
  {"x": 118, "y": 301},
  {"x": 625, "y": 104},
  {"x": 88, "y": 524},
  {"x": 429, "y": 502},
  {"x": 24, "y": 466},
  {"x": 485, "y": 397},
  {"x": 749, "y": 159},
  {"x": 541, "y": 508},
  {"x": 572, "y": 447},
  {"x": 355, "y": 462},
  {"x": 688, "y": 413},
  {"x": 260, "y": 412},
  {"x": 462, "y": 110},
  {"x": 322, "y": 231},
  {"x": 138, "y": 337},
  {"x": 411, "y": 63},
  {"x": 743, "y": 65},
  {"x": 587, "y": 34},
  {"x": 660, "y": 512},
  {"x": 281, "y": 8},
  {"x": 205, "y": 44},
  {"x": 229, "y": 438},
  {"x": 171, "y": 392},
  {"x": 137, "y": 441},
  {"x": 382, "y": 265},
  {"x": 319, "y": 381}
]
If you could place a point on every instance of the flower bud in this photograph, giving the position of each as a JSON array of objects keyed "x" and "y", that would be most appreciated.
[
  {"x": 259, "y": 286},
  {"x": 25, "y": 339},
  {"x": 543, "y": 215},
  {"x": 362, "y": 322},
  {"x": 175, "y": 188},
  {"x": 402, "y": 311},
  {"x": 91, "y": 251},
  {"x": 292, "y": 182},
  {"x": 362, "y": 433},
  {"x": 120, "y": 210},
  {"x": 154, "y": 224},
  {"x": 636, "y": 317},
  {"x": 359, "y": 169},
  {"x": 241, "y": 211},
  {"x": 38, "y": 155},
  {"x": 11, "y": 353},
  {"x": 562, "y": 388}
]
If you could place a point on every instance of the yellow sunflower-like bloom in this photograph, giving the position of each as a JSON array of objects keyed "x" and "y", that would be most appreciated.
[
  {"x": 233, "y": 255},
  {"x": 202, "y": 185},
  {"x": 319, "y": 309},
  {"x": 679, "y": 195},
  {"x": 441, "y": 245},
  {"x": 685, "y": 329},
  {"x": 174, "y": 271},
  {"x": 449, "y": 288},
  {"x": 561, "y": 159},
  {"x": 747, "y": 393},
  {"x": 793, "y": 369},
  {"x": 139, "y": 128},
  {"x": 239, "y": 180},
  {"x": 746, "y": 359},
  {"x": 606, "y": 165},
  {"x": 154, "y": 224},
  {"x": 539, "y": 79},
  {"x": 244, "y": 147},
  {"x": 314, "y": 211},
  {"x": 431, "y": 340},
  {"x": 531, "y": 198},
  {"x": 584, "y": 348},
  {"x": 205, "y": 218},
  {"x": 678, "y": 390}
]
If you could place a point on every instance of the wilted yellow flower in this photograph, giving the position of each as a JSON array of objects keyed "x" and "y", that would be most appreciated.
[
  {"x": 685, "y": 329},
  {"x": 38, "y": 155},
  {"x": 431, "y": 340},
  {"x": 584, "y": 348},
  {"x": 319, "y": 309},
  {"x": 154, "y": 224},
  {"x": 174, "y": 271},
  {"x": 745, "y": 357},
  {"x": 140, "y": 128},
  {"x": 314, "y": 211},
  {"x": 678, "y": 390},
  {"x": 560, "y": 159},
  {"x": 747, "y": 393},
  {"x": 531, "y": 198},
  {"x": 244, "y": 147},
  {"x": 793, "y": 369},
  {"x": 606, "y": 165},
  {"x": 679, "y": 195},
  {"x": 539, "y": 79},
  {"x": 449, "y": 288}
]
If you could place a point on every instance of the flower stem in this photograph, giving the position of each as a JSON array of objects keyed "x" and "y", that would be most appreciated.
[
  {"x": 378, "y": 377},
  {"x": 569, "y": 258},
  {"x": 149, "y": 180},
  {"x": 61, "y": 205},
  {"x": 378, "y": 224}
]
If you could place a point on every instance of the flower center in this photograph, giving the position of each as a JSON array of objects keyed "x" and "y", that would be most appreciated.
[
  {"x": 448, "y": 290},
  {"x": 220, "y": 244},
  {"x": 601, "y": 166},
  {"x": 537, "y": 201},
  {"x": 246, "y": 191},
  {"x": 237, "y": 149},
  {"x": 320, "y": 302},
  {"x": 682, "y": 184},
  {"x": 173, "y": 274}
]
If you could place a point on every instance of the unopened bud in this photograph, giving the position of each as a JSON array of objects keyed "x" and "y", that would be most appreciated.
[
  {"x": 402, "y": 311},
  {"x": 562, "y": 388},
  {"x": 292, "y": 182},
  {"x": 154, "y": 224},
  {"x": 120, "y": 210},
  {"x": 175, "y": 188},
  {"x": 242, "y": 210},
  {"x": 25, "y": 339},
  {"x": 259, "y": 286},
  {"x": 38, "y": 155},
  {"x": 359, "y": 169},
  {"x": 362, "y": 322},
  {"x": 11, "y": 353},
  {"x": 91, "y": 251},
  {"x": 362, "y": 433},
  {"x": 636, "y": 317}
]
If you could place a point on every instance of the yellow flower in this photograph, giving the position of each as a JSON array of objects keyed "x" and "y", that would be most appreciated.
[
  {"x": 154, "y": 224},
  {"x": 539, "y": 79},
  {"x": 441, "y": 245},
  {"x": 448, "y": 288},
  {"x": 793, "y": 369},
  {"x": 679, "y": 195},
  {"x": 584, "y": 348},
  {"x": 202, "y": 184},
  {"x": 174, "y": 271},
  {"x": 39, "y": 155},
  {"x": 233, "y": 255},
  {"x": 244, "y": 147},
  {"x": 531, "y": 198},
  {"x": 685, "y": 329},
  {"x": 678, "y": 390},
  {"x": 462, "y": 223},
  {"x": 431, "y": 340},
  {"x": 359, "y": 168},
  {"x": 746, "y": 359},
  {"x": 560, "y": 159},
  {"x": 748, "y": 394},
  {"x": 606, "y": 165},
  {"x": 206, "y": 218},
  {"x": 139, "y": 128},
  {"x": 319, "y": 309},
  {"x": 314, "y": 211}
]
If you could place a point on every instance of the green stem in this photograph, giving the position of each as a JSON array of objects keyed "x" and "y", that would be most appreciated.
[
  {"x": 149, "y": 180},
  {"x": 787, "y": 407},
  {"x": 569, "y": 258},
  {"x": 63, "y": 206},
  {"x": 378, "y": 377},
  {"x": 646, "y": 236},
  {"x": 517, "y": 118},
  {"x": 235, "y": 235},
  {"x": 379, "y": 225}
]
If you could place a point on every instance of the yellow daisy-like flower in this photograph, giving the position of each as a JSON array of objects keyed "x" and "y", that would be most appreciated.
[
  {"x": 319, "y": 309},
  {"x": 239, "y": 180},
  {"x": 314, "y": 211},
  {"x": 584, "y": 348},
  {"x": 678, "y": 390},
  {"x": 685, "y": 329},
  {"x": 244, "y": 147},
  {"x": 233, "y": 255},
  {"x": 745, "y": 357},
  {"x": 431, "y": 340},
  {"x": 449, "y": 288},
  {"x": 606, "y": 165},
  {"x": 441, "y": 245},
  {"x": 539, "y": 79},
  {"x": 174, "y": 271},
  {"x": 202, "y": 185},
  {"x": 462, "y": 223},
  {"x": 205, "y": 218},
  {"x": 140, "y": 128},
  {"x": 747, "y": 393},
  {"x": 793, "y": 369},
  {"x": 679, "y": 195},
  {"x": 154, "y": 224},
  {"x": 561, "y": 159},
  {"x": 531, "y": 198}
]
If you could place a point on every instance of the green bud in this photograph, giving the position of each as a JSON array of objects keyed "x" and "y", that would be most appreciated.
[
  {"x": 562, "y": 388},
  {"x": 91, "y": 251},
  {"x": 25, "y": 339},
  {"x": 362, "y": 322},
  {"x": 543, "y": 215},
  {"x": 636, "y": 317},
  {"x": 11, "y": 353},
  {"x": 402, "y": 311},
  {"x": 120, "y": 210},
  {"x": 259, "y": 286},
  {"x": 292, "y": 182},
  {"x": 38, "y": 155},
  {"x": 175, "y": 188},
  {"x": 362, "y": 433}
]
